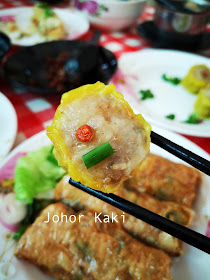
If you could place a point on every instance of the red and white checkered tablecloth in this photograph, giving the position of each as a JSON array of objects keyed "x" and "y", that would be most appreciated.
[{"x": 35, "y": 111}]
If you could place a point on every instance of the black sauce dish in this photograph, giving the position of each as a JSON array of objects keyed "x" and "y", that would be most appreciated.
[
  {"x": 59, "y": 66},
  {"x": 178, "y": 25},
  {"x": 5, "y": 44}
]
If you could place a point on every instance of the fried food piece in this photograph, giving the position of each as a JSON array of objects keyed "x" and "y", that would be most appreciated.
[
  {"x": 139, "y": 229},
  {"x": 197, "y": 78},
  {"x": 80, "y": 200},
  {"x": 88, "y": 118},
  {"x": 147, "y": 233},
  {"x": 202, "y": 103},
  {"x": 166, "y": 180},
  {"x": 89, "y": 250}
]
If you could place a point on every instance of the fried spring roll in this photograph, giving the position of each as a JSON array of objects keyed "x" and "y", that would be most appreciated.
[
  {"x": 166, "y": 180},
  {"x": 97, "y": 138},
  {"x": 88, "y": 250},
  {"x": 147, "y": 233},
  {"x": 79, "y": 200},
  {"x": 139, "y": 229}
]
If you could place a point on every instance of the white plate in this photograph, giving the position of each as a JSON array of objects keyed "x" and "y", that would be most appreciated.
[
  {"x": 8, "y": 125},
  {"x": 143, "y": 70},
  {"x": 193, "y": 265},
  {"x": 74, "y": 22}
]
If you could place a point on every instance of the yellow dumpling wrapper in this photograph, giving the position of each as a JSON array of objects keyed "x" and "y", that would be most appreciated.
[
  {"x": 202, "y": 103},
  {"x": 111, "y": 118},
  {"x": 197, "y": 78}
]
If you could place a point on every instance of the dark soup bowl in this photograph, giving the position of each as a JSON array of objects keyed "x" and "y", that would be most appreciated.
[{"x": 179, "y": 25}]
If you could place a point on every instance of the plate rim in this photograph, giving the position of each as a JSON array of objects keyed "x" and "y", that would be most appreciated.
[{"x": 15, "y": 123}]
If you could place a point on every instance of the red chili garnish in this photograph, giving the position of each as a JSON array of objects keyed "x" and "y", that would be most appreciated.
[
  {"x": 84, "y": 133},
  {"x": 36, "y": 22},
  {"x": 204, "y": 74}
]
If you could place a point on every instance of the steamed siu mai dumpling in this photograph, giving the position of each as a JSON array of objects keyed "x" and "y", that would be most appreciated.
[
  {"x": 97, "y": 138},
  {"x": 197, "y": 78},
  {"x": 202, "y": 103}
]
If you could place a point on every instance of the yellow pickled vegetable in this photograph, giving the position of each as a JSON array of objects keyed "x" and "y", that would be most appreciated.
[
  {"x": 202, "y": 103},
  {"x": 96, "y": 117},
  {"x": 197, "y": 78}
]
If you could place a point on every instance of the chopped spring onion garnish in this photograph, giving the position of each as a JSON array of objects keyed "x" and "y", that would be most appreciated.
[
  {"x": 173, "y": 80},
  {"x": 193, "y": 119},
  {"x": 20, "y": 232},
  {"x": 170, "y": 116},
  {"x": 98, "y": 154},
  {"x": 47, "y": 10},
  {"x": 145, "y": 94},
  {"x": 173, "y": 216}
]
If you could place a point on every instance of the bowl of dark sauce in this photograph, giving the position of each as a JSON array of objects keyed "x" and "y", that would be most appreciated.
[
  {"x": 5, "y": 44},
  {"x": 179, "y": 25},
  {"x": 59, "y": 66}
]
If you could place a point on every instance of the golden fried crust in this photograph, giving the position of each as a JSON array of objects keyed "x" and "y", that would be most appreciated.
[
  {"x": 147, "y": 233},
  {"x": 80, "y": 200},
  {"x": 139, "y": 229},
  {"x": 166, "y": 180},
  {"x": 89, "y": 250}
]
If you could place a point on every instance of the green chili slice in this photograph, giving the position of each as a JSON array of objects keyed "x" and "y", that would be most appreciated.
[{"x": 98, "y": 154}]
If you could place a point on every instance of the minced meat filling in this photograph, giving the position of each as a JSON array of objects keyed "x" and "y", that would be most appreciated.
[{"x": 110, "y": 124}]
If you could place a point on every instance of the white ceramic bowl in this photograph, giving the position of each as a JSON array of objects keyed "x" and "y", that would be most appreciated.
[{"x": 111, "y": 15}]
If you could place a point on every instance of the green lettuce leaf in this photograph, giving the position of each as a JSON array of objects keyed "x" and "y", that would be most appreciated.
[{"x": 36, "y": 173}]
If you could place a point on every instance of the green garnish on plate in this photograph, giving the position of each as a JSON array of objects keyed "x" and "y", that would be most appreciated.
[
  {"x": 98, "y": 154},
  {"x": 173, "y": 80},
  {"x": 146, "y": 94},
  {"x": 170, "y": 116},
  {"x": 42, "y": 5},
  {"x": 193, "y": 119},
  {"x": 47, "y": 10}
]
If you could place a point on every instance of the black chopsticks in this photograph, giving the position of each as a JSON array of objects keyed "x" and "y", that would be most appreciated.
[
  {"x": 182, "y": 153},
  {"x": 185, "y": 234}
]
